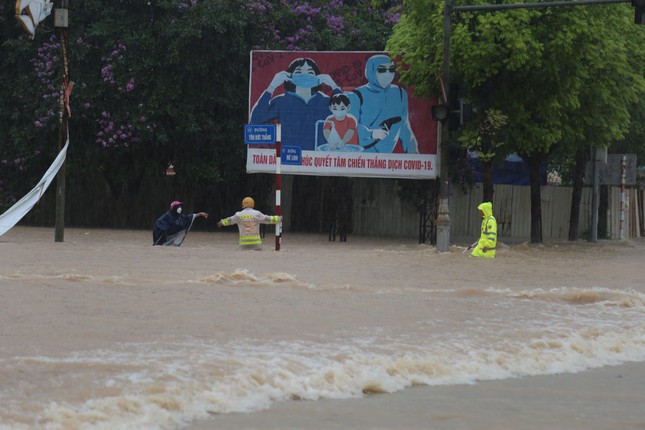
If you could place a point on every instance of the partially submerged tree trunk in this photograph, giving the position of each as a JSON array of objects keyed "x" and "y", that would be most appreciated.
[
  {"x": 578, "y": 182},
  {"x": 535, "y": 162}
]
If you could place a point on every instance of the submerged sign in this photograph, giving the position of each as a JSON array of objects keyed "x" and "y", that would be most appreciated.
[{"x": 345, "y": 112}]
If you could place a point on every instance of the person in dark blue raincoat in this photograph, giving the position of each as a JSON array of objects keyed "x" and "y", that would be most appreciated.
[
  {"x": 302, "y": 109},
  {"x": 171, "y": 228},
  {"x": 382, "y": 110}
]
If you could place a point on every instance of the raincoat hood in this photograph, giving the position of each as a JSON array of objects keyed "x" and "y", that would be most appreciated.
[
  {"x": 486, "y": 208},
  {"x": 370, "y": 71}
]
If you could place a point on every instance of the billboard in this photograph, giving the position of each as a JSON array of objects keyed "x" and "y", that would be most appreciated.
[{"x": 343, "y": 113}]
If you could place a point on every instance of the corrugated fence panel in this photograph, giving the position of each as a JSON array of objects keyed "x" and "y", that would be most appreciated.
[
  {"x": 377, "y": 210},
  {"x": 458, "y": 207},
  {"x": 503, "y": 209},
  {"x": 521, "y": 226},
  {"x": 584, "y": 218},
  {"x": 464, "y": 216},
  {"x": 556, "y": 211}
]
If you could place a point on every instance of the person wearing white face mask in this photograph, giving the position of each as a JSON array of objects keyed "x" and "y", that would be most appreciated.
[
  {"x": 171, "y": 228},
  {"x": 382, "y": 110},
  {"x": 300, "y": 107},
  {"x": 340, "y": 128}
]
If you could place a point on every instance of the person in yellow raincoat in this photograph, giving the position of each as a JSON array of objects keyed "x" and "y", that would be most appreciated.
[
  {"x": 248, "y": 221},
  {"x": 487, "y": 242}
]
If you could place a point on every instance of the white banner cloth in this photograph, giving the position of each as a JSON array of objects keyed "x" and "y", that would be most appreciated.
[{"x": 16, "y": 212}]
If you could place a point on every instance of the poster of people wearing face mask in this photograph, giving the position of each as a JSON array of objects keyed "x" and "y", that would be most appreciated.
[{"x": 345, "y": 111}]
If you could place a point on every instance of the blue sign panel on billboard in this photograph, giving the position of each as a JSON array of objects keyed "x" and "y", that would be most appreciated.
[
  {"x": 291, "y": 155},
  {"x": 259, "y": 134}
]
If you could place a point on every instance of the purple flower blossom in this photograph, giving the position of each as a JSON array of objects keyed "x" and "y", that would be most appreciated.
[
  {"x": 259, "y": 5},
  {"x": 335, "y": 23},
  {"x": 106, "y": 73},
  {"x": 391, "y": 18},
  {"x": 45, "y": 64}
]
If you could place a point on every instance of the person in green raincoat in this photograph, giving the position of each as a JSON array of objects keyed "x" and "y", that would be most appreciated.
[{"x": 487, "y": 242}]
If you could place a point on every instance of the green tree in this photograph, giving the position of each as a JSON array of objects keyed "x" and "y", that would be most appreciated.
[
  {"x": 483, "y": 140},
  {"x": 155, "y": 81},
  {"x": 541, "y": 79}
]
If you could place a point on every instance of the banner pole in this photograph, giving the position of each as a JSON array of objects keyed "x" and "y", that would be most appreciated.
[
  {"x": 63, "y": 132},
  {"x": 278, "y": 185}
]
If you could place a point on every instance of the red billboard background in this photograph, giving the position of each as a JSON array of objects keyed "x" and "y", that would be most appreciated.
[{"x": 347, "y": 69}]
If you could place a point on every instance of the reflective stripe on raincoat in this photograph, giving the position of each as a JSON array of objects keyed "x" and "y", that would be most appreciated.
[
  {"x": 248, "y": 222},
  {"x": 488, "y": 239}
]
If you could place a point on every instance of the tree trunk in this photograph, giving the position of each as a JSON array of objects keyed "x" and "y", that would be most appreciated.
[
  {"x": 603, "y": 208},
  {"x": 488, "y": 187},
  {"x": 535, "y": 163},
  {"x": 578, "y": 182}
]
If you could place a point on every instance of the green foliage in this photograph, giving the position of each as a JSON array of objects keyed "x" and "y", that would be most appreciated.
[
  {"x": 482, "y": 137},
  {"x": 155, "y": 81},
  {"x": 562, "y": 75}
]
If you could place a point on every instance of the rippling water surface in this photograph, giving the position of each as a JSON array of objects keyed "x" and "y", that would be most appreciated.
[{"x": 156, "y": 339}]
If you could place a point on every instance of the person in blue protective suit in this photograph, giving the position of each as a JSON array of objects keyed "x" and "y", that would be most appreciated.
[
  {"x": 382, "y": 110},
  {"x": 171, "y": 228},
  {"x": 302, "y": 109}
]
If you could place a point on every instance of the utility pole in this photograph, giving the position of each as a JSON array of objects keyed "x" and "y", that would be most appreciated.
[
  {"x": 61, "y": 22},
  {"x": 443, "y": 216}
]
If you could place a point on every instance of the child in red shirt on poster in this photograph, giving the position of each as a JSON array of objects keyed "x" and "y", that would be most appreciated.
[{"x": 340, "y": 128}]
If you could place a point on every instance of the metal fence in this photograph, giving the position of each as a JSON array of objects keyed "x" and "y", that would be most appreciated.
[{"x": 378, "y": 211}]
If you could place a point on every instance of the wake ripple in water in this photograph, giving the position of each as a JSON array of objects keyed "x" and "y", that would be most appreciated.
[{"x": 159, "y": 386}]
